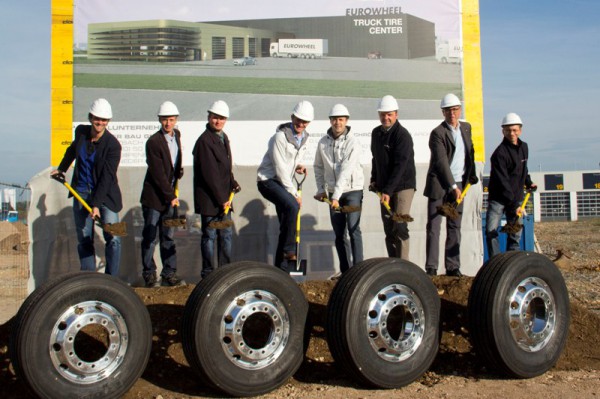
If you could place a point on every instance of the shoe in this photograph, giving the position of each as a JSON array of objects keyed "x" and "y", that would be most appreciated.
[
  {"x": 151, "y": 281},
  {"x": 335, "y": 277},
  {"x": 454, "y": 273},
  {"x": 431, "y": 271},
  {"x": 172, "y": 281}
]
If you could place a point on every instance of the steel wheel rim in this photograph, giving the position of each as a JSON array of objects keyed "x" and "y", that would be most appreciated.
[
  {"x": 532, "y": 314},
  {"x": 72, "y": 321},
  {"x": 254, "y": 329},
  {"x": 395, "y": 323}
]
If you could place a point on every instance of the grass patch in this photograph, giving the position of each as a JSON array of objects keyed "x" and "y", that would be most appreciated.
[{"x": 305, "y": 87}]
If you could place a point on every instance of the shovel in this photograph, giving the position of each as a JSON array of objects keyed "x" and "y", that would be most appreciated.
[
  {"x": 396, "y": 217},
  {"x": 175, "y": 221},
  {"x": 300, "y": 269},
  {"x": 450, "y": 209},
  {"x": 514, "y": 228},
  {"x": 223, "y": 224},
  {"x": 342, "y": 209},
  {"x": 116, "y": 229}
]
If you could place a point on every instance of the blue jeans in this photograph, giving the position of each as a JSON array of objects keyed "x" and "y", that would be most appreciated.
[
  {"x": 492, "y": 220},
  {"x": 84, "y": 225},
  {"x": 153, "y": 224},
  {"x": 351, "y": 243},
  {"x": 210, "y": 236},
  {"x": 287, "y": 209}
]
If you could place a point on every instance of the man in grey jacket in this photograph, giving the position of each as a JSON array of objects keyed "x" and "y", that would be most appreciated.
[
  {"x": 339, "y": 177},
  {"x": 452, "y": 164},
  {"x": 282, "y": 160}
]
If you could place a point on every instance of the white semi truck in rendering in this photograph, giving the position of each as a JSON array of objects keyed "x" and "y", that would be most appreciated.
[
  {"x": 299, "y": 48},
  {"x": 449, "y": 51}
]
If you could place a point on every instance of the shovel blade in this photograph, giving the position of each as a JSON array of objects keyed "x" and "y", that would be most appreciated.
[
  {"x": 116, "y": 229},
  {"x": 176, "y": 222},
  {"x": 300, "y": 270}
]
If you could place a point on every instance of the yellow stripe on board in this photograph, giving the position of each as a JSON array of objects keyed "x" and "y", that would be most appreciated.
[
  {"x": 473, "y": 88},
  {"x": 61, "y": 79}
]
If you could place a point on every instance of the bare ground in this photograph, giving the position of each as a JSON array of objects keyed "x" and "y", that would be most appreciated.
[{"x": 456, "y": 372}]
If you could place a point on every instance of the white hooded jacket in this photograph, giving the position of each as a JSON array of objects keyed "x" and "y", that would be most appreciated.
[
  {"x": 337, "y": 164},
  {"x": 282, "y": 157}
]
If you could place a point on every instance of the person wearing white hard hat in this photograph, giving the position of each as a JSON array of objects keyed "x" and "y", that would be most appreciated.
[
  {"x": 508, "y": 176},
  {"x": 393, "y": 175},
  {"x": 451, "y": 166},
  {"x": 213, "y": 183},
  {"x": 284, "y": 157},
  {"x": 159, "y": 198},
  {"x": 339, "y": 177},
  {"x": 97, "y": 154}
]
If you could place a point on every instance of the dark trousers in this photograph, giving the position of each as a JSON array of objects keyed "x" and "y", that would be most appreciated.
[
  {"x": 287, "y": 209},
  {"x": 153, "y": 225},
  {"x": 452, "y": 245}
]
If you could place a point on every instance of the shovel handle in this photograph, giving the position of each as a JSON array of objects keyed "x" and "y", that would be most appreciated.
[
  {"x": 524, "y": 204},
  {"x": 463, "y": 193},
  {"x": 78, "y": 197},
  {"x": 226, "y": 211},
  {"x": 385, "y": 203}
]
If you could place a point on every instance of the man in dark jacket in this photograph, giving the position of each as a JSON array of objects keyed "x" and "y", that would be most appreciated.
[
  {"x": 159, "y": 198},
  {"x": 97, "y": 154},
  {"x": 393, "y": 174},
  {"x": 213, "y": 184},
  {"x": 452, "y": 164},
  {"x": 508, "y": 176}
]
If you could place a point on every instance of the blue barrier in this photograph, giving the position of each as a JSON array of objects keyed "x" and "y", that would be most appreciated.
[{"x": 527, "y": 236}]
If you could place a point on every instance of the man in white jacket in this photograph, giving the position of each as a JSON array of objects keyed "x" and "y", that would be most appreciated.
[
  {"x": 275, "y": 180},
  {"x": 339, "y": 177}
]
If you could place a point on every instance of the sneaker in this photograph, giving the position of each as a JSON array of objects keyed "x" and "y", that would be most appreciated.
[
  {"x": 172, "y": 281},
  {"x": 335, "y": 277},
  {"x": 454, "y": 273},
  {"x": 151, "y": 281},
  {"x": 431, "y": 272}
]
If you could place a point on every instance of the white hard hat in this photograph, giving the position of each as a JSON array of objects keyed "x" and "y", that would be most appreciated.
[
  {"x": 168, "y": 109},
  {"x": 304, "y": 110},
  {"x": 100, "y": 108},
  {"x": 387, "y": 104},
  {"x": 511, "y": 119},
  {"x": 450, "y": 100},
  {"x": 339, "y": 110},
  {"x": 220, "y": 108}
]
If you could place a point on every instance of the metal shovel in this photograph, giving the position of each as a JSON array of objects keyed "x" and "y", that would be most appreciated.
[
  {"x": 300, "y": 269},
  {"x": 223, "y": 224},
  {"x": 513, "y": 228},
  {"x": 450, "y": 209},
  {"x": 118, "y": 229},
  {"x": 175, "y": 221}
]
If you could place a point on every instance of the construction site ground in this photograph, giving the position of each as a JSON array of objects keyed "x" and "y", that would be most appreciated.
[{"x": 457, "y": 372}]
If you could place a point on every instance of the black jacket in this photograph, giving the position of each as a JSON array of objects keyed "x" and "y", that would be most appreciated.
[
  {"x": 509, "y": 175},
  {"x": 108, "y": 155},
  {"x": 393, "y": 166},
  {"x": 158, "y": 190},
  {"x": 442, "y": 146},
  {"x": 213, "y": 173}
]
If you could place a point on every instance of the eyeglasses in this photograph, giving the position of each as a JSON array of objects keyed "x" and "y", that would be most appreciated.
[{"x": 453, "y": 109}]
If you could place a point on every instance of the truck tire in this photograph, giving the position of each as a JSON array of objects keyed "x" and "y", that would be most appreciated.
[
  {"x": 519, "y": 314},
  {"x": 383, "y": 322},
  {"x": 243, "y": 328},
  {"x": 83, "y": 334}
]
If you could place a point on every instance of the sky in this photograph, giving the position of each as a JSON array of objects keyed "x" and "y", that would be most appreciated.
[{"x": 539, "y": 59}]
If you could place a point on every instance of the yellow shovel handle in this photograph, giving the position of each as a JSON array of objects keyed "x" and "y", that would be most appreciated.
[
  {"x": 228, "y": 206},
  {"x": 385, "y": 204},
  {"x": 76, "y": 195},
  {"x": 523, "y": 205},
  {"x": 462, "y": 195}
]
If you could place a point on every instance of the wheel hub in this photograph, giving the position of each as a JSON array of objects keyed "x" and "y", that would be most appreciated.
[
  {"x": 532, "y": 314},
  {"x": 254, "y": 330},
  {"x": 77, "y": 367},
  {"x": 395, "y": 323}
]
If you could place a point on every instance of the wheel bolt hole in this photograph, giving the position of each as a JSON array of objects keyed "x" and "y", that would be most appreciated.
[
  {"x": 228, "y": 319},
  {"x": 373, "y": 314},
  {"x": 227, "y": 340}
]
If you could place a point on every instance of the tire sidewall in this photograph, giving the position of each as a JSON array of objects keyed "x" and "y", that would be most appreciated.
[
  {"x": 37, "y": 323},
  {"x": 520, "y": 362}
]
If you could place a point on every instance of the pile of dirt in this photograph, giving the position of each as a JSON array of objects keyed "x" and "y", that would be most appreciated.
[{"x": 168, "y": 374}]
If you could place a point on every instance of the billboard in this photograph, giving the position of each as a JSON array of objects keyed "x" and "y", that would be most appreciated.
[{"x": 139, "y": 53}]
